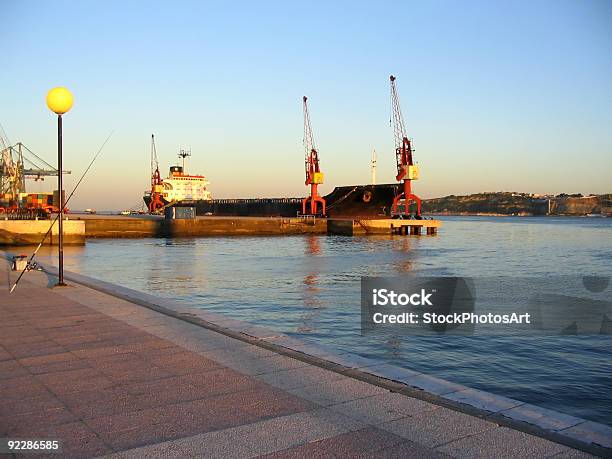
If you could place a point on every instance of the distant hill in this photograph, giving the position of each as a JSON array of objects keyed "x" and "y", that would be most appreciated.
[{"x": 509, "y": 203}]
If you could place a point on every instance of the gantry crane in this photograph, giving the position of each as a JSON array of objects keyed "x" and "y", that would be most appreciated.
[
  {"x": 156, "y": 182},
  {"x": 314, "y": 176},
  {"x": 18, "y": 163},
  {"x": 406, "y": 169}
]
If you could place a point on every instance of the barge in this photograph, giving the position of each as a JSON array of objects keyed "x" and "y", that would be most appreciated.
[{"x": 359, "y": 201}]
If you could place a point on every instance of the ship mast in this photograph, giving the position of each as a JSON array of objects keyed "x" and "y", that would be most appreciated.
[
  {"x": 156, "y": 182},
  {"x": 373, "y": 166},
  {"x": 155, "y": 175},
  {"x": 184, "y": 153}
]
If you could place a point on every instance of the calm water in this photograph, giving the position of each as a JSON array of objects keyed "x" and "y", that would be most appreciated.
[{"x": 309, "y": 286}]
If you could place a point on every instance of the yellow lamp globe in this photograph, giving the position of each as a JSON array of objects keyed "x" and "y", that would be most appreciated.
[{"x": 59, "y": 100}]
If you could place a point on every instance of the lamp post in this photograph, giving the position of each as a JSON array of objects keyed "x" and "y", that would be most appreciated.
[{"x": 59, "y": 101}]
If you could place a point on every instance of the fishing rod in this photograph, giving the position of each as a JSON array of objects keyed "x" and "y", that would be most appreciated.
[{"x": 61, "y": 212}]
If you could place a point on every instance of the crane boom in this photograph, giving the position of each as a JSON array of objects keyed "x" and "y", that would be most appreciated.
[
  {"x": 155, "y": 175},
  {"x": 18, "y": 163},
  {"x": 406, "y": 169},
  {"x": 403, "y": 147},
  {"x": 314, "y": 176},
  {"x": 311, "y": 158},
  {"x": 396, "y": 112},
  {"x": 156, "y": 203}
]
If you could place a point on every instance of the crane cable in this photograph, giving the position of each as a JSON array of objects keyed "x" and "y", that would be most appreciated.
[{"x": 60, "y": 213}]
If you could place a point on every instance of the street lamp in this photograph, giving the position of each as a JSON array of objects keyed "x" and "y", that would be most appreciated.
[{"x": 59, "y": 100}]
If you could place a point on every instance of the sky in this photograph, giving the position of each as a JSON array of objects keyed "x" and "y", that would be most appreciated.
[{"x": 513, "y": 96}]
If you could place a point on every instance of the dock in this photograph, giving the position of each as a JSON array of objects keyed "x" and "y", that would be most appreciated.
[
  {"x": 113, "y": 372},
  {"x": 98, "y": 226},
  {"x": 389, "y": 226},
  {"x": 31, "y": 232},
  {"x": 79, "y": 228},
  {"x": 152, "y": 226}
]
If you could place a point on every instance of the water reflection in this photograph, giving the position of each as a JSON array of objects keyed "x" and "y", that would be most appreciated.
[
  {"x": 310, "y": 294},
  {"x": 403, "y": 245},
  {"x": 177, "y": 266}
]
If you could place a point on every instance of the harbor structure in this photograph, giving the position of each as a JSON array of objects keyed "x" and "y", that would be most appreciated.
[
  {"x": 314, "y": 176},
  {"x": 407, "y": 170},
  {"x": 17, "y": 164}
]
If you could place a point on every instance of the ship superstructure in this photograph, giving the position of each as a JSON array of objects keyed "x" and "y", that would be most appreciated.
[{"x": 179, "y": 186}]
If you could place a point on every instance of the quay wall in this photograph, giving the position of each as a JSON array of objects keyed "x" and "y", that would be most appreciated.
[
  {"x": 29, "y": 232},
  {"x": 205, "y": 226},
  {"x": 78, "y": 229},
  {"x": 354, "y": 227}
]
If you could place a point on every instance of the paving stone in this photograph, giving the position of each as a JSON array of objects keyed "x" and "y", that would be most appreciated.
[
  {"x": 569, "y": 453},
  {"x": 299, "y": 377},
  {"x": 432, "y": 384},
  {"x": 22, "y": 335},
  {"x": 406, "y": 449},
  {"x": 39, "y": 348},
  {"x": 483, "y": 400},
  {"x": 238, "y": 355},
  {"x": 311, "y": 349},
  {"x": 74, "y": 381},
  {"x": 166, "y": 450},
  {"x": 127, "y": 430},
  {"x": 546, "y": 419},
  {"x": 351, "y": 444},
  {"x": 383, "y": 408},
  {"x": 337, "y": 391},
  {"x": 262, "y": 437},
  {"x": 9, "y": 408},
  {"x": 57, "y": 367},
  {"x": 352, "y": 360},
  {"x": 391, "y": 372},
  {"x": 4, "y": 354},
  {"x": 264, "y": 365},
  {"x": 436, "y": 427},
  {"x": 22, "y": 388},
  {"x": 27, "y": 423},
  {"x": 591, "y": 432},
  {"x": 51, "y": 358},
  {"x": 501, "y": 442},
  {"x": 78, "y": 441},
  {"x": 180, "y": 363},
  {"x": 10, "y": 369}
]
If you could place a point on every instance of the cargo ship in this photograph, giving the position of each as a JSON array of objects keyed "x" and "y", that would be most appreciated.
[{"x": 364, "y": 201}]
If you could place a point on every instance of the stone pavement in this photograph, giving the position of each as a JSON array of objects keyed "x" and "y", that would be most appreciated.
[{"x": 109, "y": 377}]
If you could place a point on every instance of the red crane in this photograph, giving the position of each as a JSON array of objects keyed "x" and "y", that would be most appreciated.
[
  {"x": 406, "y": 169},
  {"x": 314, "y": 176},
  {"x": 156, "y": 181}
]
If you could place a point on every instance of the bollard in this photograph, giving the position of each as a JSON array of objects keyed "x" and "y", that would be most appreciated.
[{"x": 19, "y": 262}]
